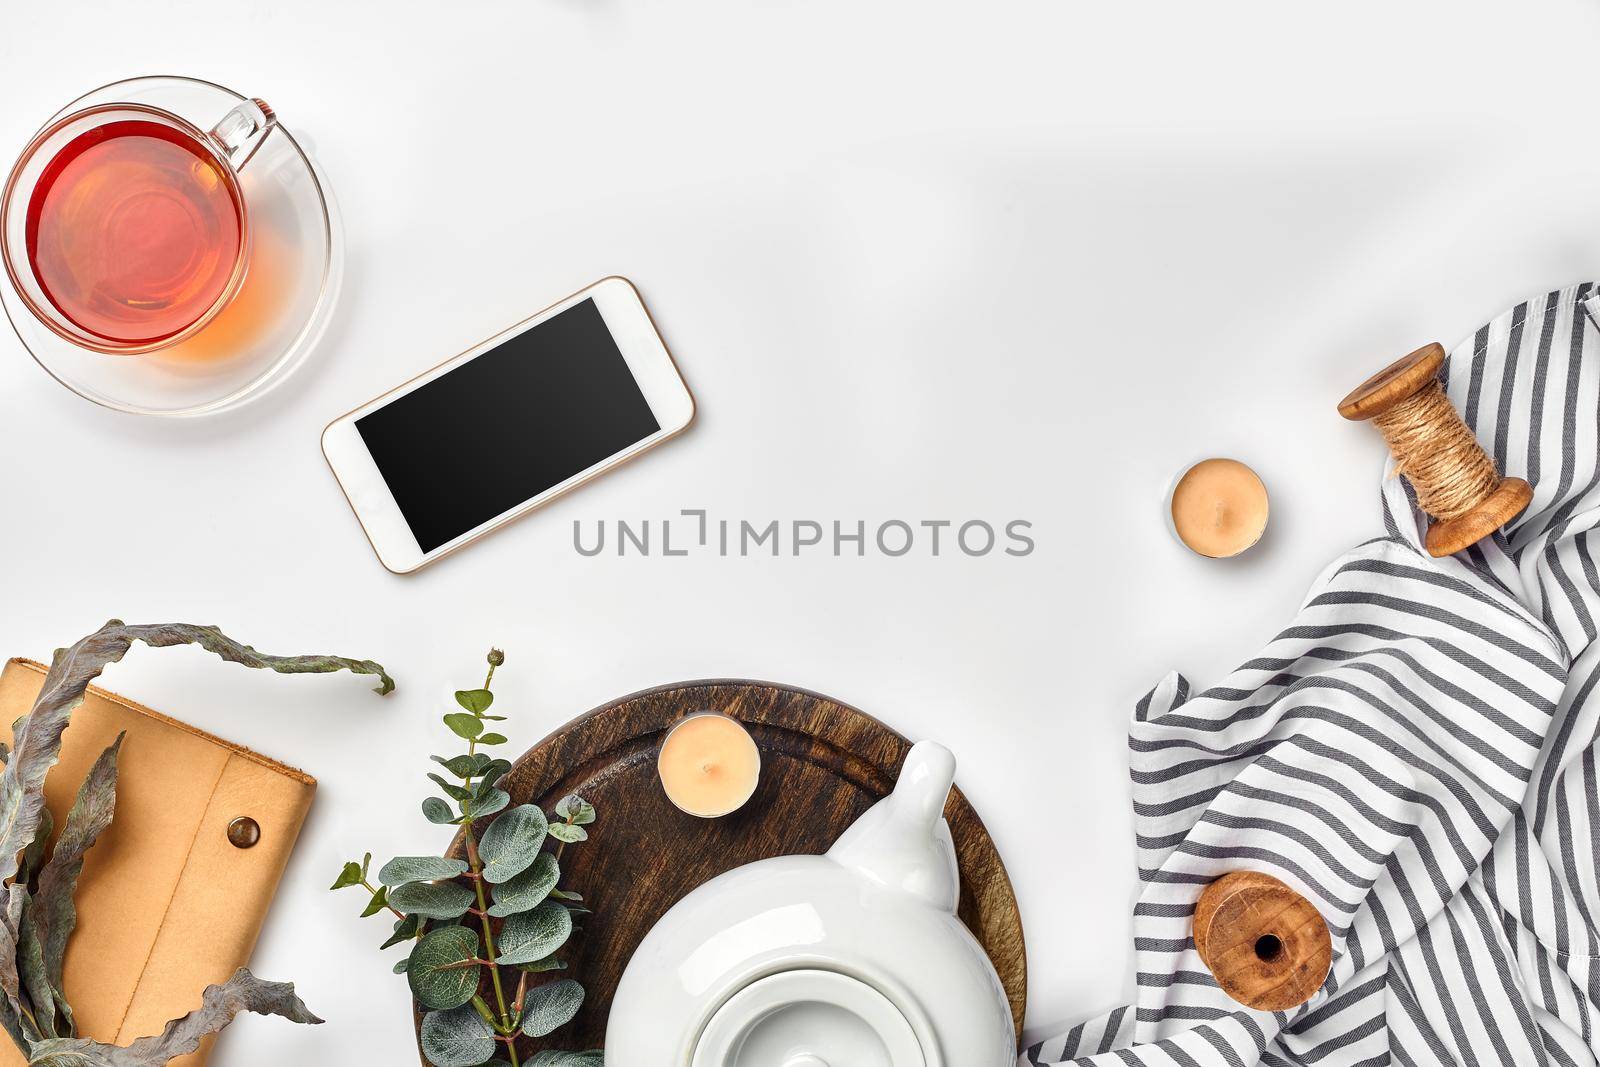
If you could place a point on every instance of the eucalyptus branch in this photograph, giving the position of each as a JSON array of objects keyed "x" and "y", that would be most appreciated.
[{"x": 509, "y": 882}]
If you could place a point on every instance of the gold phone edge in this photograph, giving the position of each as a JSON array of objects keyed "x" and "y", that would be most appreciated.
[{"x": 511, "y": 516}]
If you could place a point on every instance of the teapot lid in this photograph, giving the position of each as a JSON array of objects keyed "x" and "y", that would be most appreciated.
[{"x": 809, "y": 1018}]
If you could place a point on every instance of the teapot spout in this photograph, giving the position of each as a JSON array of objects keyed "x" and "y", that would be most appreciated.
[{"x": 903, "y": 842}]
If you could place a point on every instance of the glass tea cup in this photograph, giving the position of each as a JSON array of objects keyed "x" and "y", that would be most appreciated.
[{"x": 124, "y": 228}]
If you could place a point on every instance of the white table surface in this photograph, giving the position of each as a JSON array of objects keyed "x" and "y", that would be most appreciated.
[{"x": 921, "y": 261}]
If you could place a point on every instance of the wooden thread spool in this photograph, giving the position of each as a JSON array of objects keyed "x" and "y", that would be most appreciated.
[
  {"x": 1266, "y": 945},
  {"x": 1456, "y": 481}
]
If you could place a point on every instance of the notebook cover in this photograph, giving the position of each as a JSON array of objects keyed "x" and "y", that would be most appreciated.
[{"x": 166, "y": 904}]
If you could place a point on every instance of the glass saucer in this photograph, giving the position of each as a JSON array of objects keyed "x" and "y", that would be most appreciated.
[{"x": 296, "y": 262}]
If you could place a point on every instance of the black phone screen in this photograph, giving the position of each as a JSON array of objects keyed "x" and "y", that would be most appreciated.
[{"x": 506, "y": 425}]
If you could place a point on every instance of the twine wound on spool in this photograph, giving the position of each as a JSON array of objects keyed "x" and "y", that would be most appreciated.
[
  {"x": 1266, "y": 945},
  {"x": 1456, "y": 481}
]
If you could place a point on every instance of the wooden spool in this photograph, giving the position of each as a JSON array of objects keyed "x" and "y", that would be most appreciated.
[
  {"x": 1401, "y": 379},
  {"x": 1266, "y": 945}
]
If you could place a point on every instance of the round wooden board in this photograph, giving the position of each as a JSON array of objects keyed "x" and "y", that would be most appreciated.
[{"x": 823, "y": 764}]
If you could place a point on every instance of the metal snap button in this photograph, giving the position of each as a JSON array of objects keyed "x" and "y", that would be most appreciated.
[{"x": 244, "y": 832}]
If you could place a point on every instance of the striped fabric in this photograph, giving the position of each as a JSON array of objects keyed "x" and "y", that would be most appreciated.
[{"x": 1416, "y": 754}]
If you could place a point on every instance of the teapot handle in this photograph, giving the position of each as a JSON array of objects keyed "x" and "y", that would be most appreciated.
[{"x": 925, "y": 781}]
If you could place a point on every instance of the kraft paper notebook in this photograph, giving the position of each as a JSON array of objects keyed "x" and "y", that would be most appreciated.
[{"x": 167, "y": 905}]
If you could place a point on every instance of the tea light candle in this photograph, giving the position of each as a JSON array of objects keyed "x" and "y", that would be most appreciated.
[
  {"x": 1219, "y": 507},
  {"x": 709, "y": 765}
]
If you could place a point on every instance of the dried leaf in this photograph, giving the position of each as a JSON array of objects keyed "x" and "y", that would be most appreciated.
[
  {"x": 38, "y": 849},
  {"x": 16, "y": 898},
  {"x": 35, "y": 980},
  {"x": 243, "y": 992},
  {"x": 38, "y": 737},
  {"x": 54, "y": 916}
]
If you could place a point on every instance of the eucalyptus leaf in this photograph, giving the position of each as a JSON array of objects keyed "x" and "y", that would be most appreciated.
[
  {"x": 437, "y": 811},
  {"x": 404, "y": 930},
  {"x": 52, "y": 911},
  {"x": 403, "y": 869},
  {"x": 456, "y": 1038},
  {"x": 451, "y": 790},
  {"x": 465, "y": 765},
  {"x": 463, "y": 725},
  {"x": 528, "y": 889},
  {"x": 510, "y": 845},
  {"x": 441, "y": 974},
  {"x": 379, "y": 901},
  {"x": 567, "y": 832},
  {"x": 575, "y": 809},
  {"x": 493, "y": 800},
  {"x": 349, "y": 875},
  {"x": 551, "y": 1058},
  {"x": 550, "y": 1006},
  {"x": 549, "y": 963},
  {"x": 533, "y": 935},
  {"x": 431, "y": 900},
  {"x": 218, "y": 1006},
  {"x": 492, "y": 739},
  {"x": 38, "y": 739},
  {"x": 402, "y": 965},
  {"x": 476, "y": 701},
  {"x": 565, "y": 894},
  {"x": 494, "y": 769}
]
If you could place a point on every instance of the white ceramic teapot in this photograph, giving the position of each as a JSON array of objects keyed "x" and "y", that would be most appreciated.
[{"x": 850, "y": 959}]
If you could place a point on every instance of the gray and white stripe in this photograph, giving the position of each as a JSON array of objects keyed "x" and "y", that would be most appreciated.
[{"x": 1417, "y": 754}]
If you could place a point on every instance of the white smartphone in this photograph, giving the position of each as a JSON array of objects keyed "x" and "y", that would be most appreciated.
[{"x": 510, "y": 424}]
